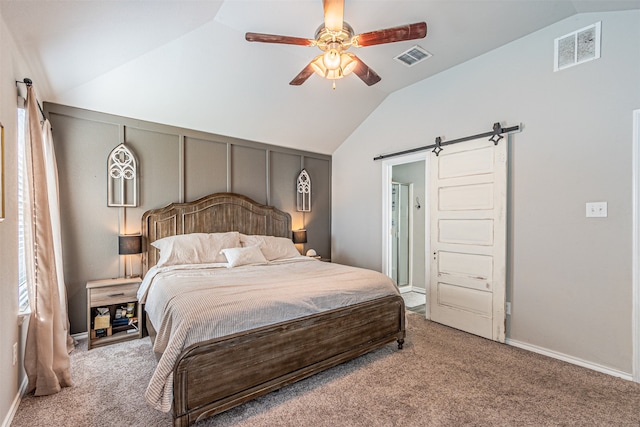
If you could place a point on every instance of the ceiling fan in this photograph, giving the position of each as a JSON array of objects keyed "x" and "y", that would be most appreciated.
[{"x": 334, "y": 38}]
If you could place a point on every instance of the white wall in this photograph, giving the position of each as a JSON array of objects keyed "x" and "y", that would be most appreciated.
[
  {"x": 11, "y": 68},
  {"x": 570, "y": 276}
]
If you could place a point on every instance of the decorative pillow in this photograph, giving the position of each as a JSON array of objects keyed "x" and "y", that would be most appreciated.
[
  {"x": 195, "y": 248},
  {"x": 272, "y": 247},
  {"x": 243, "y": 256}
]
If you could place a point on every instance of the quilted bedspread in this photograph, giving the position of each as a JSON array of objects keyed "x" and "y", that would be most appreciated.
[{"x": 191, "y": 303}]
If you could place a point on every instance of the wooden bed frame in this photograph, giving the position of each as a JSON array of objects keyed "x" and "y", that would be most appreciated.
[{"x": 215, "y": 375}]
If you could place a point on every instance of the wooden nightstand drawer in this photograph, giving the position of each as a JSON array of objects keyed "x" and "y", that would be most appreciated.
[{"x": 114, "y": 294}]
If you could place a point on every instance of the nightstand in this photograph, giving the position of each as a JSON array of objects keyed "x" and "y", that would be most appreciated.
[{"x": 113, "y": 295}]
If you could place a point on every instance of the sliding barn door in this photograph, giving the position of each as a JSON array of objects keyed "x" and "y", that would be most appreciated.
[{"x": 468, "y": 237}]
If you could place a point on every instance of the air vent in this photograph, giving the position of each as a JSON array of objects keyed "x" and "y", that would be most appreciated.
[
  {"x": 576, "y": 48},
  {"x": 412, "y": 56}
]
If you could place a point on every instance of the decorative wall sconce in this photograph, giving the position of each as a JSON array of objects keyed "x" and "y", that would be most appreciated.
[
  {"x": 303, "y": 192},
  {"x": 122, "y": 182},
  {"x": 129, "y": 245}
]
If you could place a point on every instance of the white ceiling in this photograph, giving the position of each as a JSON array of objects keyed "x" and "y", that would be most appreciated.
[{"x": 186, "y": 62}]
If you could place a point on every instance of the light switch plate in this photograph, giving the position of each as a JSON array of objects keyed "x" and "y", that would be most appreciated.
[{"x": 597, "y": 210}]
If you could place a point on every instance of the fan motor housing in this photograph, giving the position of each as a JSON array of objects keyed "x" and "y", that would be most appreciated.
[{"x": 326, "y": 39}]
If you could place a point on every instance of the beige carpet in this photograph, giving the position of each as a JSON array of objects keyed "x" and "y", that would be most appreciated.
[{"x": 442, "y": 377}]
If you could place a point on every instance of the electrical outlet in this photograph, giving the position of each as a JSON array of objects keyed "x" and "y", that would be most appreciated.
[
  {"x": 508, "y": 308},
  {"x": 15, "y": 353},
  {"x": 597, "y": 210}
]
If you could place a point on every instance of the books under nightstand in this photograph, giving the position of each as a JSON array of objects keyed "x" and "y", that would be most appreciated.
[{"x": 112, "y": 311}]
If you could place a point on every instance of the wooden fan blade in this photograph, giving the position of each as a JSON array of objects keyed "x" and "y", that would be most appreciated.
[
  {"x": 333, "y": 14},
  {"x": 391, "y": 35},
  {"x": 272, "y": 38},
  {"x": 302, "y": 76},
  {"x": 365, "y": 73}
]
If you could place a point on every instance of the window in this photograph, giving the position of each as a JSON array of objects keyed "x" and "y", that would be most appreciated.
[{"x": 23, "y": 294}]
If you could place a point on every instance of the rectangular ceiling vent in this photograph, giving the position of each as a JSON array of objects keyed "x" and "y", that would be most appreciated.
[
  {"x": 412, "y": 56},
  {"x": 576, "y": 48}
]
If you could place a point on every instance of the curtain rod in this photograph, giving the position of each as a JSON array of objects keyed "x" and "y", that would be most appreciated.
[
  {"x": 28, "y": 82},
  {"x": 495, "y": 134}
]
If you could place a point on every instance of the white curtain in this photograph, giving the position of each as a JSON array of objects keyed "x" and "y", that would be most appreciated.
[{"x": 48, "y": 344}]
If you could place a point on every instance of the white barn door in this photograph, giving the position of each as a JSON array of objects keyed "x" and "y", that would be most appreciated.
[{"x": 468, "y": 237}]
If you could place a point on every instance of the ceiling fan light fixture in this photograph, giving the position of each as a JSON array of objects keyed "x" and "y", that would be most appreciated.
[
  {"x": 334, "y": 74},
  {"x": 345, "y": 67},
  {"x": 318, "y": 66},
  {"x": 331, "y": 59},
  {"x": 347, "y": 64}
]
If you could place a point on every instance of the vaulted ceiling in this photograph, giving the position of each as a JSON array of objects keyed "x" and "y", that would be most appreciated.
[{"x": 187, "y": 63}]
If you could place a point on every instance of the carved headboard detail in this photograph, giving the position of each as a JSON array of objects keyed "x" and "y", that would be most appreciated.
[{"x": 216, "y": 213}]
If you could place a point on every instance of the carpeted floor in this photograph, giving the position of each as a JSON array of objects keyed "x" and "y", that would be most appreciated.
[{"x": 442, "y": 377}]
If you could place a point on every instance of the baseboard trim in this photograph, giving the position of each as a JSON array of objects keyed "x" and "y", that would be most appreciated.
[
  {"x": 80, "y": 336},
  {"x": 16, "y": 402},
  {"x": 570, "y": 359},
  {"x": 23, "y": 389},
  {"x": 408, "y": 288}
]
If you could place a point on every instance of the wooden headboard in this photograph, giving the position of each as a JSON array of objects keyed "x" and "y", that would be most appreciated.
[{"x": 215, "y": 213}]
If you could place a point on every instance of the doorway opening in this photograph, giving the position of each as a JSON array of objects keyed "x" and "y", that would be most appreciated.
[
  {"x": 401, "y": 230},
  {"x": 405, "y": 233}
]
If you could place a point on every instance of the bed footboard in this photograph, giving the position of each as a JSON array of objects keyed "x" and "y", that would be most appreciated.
[{"x": 218, "y": 374}]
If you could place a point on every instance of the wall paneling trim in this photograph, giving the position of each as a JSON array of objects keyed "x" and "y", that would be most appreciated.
[{"x": 175, "y": 164}]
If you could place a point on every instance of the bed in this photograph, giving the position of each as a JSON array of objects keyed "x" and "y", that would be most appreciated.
[{"x": 207, "y": 365}]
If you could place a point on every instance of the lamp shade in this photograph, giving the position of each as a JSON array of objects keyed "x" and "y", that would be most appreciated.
[
  {"x": 129, "y": 245},
  {"x": 300, "y": 236}
]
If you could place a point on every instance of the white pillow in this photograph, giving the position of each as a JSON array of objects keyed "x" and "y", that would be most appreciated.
[
  {"x": 272, "y": 247},
  {"x": 243, "y": 256},
  {"x": 195, "y": 248}
]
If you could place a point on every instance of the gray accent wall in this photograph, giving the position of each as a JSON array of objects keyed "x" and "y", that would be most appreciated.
[
  {"x": 175, "y": 164},
  {"x": 570, "y": 277}
]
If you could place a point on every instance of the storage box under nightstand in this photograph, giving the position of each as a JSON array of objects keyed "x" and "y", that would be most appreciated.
[{"x": 113, "y": 294}]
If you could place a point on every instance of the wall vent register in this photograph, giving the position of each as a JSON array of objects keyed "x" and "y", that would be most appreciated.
[
  {"x": 578, "y": 47},
  {"x": 413, "y": 56}
]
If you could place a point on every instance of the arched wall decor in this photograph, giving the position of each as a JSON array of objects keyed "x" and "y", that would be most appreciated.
[
  {"x": 122, "y": 180},
  {"x": 303, "y": 192}
]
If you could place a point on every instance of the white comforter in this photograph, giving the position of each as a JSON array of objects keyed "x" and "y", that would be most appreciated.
[{"x": 191, "y": 303}]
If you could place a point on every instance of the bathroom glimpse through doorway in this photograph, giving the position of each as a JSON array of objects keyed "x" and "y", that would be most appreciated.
[
  {"x": 401, "y": 240},
  {"x": 408, "y": 175}
]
